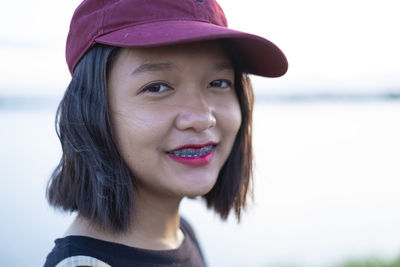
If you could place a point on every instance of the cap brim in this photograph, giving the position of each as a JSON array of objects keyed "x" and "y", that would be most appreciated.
[{"x": 258, "y": 55}]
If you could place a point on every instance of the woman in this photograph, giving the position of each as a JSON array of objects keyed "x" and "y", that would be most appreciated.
[{"x": 159, "y": 108}]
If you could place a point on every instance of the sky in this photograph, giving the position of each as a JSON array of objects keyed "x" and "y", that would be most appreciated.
[{"x": 332, "y": 46}]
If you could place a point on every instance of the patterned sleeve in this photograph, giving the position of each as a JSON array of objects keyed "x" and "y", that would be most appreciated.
[{"x": 82, "y": 261}]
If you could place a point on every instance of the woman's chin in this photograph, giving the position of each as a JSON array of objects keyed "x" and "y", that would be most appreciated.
[
  {"x": 198, "y": 190},
  {"x": 196, "y": 194}
]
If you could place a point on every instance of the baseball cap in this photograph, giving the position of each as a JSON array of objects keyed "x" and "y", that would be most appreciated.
[{"x": 152, "y": 23}]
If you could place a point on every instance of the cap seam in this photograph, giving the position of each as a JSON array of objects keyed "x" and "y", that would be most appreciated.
[{"x": 100, "y": 30}]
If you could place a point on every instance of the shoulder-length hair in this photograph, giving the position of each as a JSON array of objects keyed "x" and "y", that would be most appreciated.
[{"x": 92, "y": 177}]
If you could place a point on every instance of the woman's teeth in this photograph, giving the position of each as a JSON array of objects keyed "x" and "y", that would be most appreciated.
[{"x": 192, "y": 152}]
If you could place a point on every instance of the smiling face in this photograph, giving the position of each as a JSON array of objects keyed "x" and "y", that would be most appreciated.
[{"x": 175, "y": 115}]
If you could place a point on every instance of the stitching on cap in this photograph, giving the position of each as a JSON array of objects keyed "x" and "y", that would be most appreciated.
[{"x": 100, "y": 30}]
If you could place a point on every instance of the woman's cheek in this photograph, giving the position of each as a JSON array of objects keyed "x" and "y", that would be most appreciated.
[{"x": 229, "y": 115}]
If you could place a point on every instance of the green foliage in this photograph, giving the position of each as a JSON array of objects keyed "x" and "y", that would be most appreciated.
[{"x": 371, "y": 263}]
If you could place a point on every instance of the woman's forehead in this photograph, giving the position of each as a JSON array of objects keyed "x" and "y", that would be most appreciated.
[
  {"x": 207, "y": 56},
  {"x": 212, "y": 50}
]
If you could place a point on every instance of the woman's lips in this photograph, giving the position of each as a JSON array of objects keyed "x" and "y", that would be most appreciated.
[{"x": 193, "y": 155}]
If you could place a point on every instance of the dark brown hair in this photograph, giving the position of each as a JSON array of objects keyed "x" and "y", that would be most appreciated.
[{"x": 92, "y": 178}]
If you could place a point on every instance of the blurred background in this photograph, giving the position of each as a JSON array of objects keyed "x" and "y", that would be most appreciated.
[{"x": 326, "y": 136}]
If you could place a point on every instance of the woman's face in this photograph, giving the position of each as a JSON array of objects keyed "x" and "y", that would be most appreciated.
[{"x": 175, "y": 115}]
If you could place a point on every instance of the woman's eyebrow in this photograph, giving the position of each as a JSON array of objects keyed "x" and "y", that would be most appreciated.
[
  {"x": 221, "y": 66},
  {"x": 154, "y": 67},
  {"x": 146, "y": 67}
]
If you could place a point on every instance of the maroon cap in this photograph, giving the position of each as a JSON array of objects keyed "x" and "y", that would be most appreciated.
[{"x": 150, "y": 23}]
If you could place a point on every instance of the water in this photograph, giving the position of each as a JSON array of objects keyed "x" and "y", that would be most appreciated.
[{"x": 326, "y": 187}]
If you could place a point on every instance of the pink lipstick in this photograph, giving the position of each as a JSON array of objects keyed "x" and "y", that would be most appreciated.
[{"x": 193, "y": 155}]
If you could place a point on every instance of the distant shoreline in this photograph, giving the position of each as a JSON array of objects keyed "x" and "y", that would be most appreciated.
[
  {"x": 329, "y": 97},
  {"x": 45, "y": 102}
]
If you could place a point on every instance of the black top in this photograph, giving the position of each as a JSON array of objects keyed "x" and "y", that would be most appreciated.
[{"x": 117, "y": 255}]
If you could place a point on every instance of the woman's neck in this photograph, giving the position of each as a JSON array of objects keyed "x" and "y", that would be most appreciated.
[{"x": 154, "y": 225}]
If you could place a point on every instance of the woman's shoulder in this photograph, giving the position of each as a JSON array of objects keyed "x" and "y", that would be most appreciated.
[
  {"x": 80, "y": 250},
  {"x": 71, "y": 251},
  {"x": 79, "y": 261}
]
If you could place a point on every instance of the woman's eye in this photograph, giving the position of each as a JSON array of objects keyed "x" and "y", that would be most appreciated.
[
  {"x": 221, "y": 83},
  {"x": 156, "y": 88}
]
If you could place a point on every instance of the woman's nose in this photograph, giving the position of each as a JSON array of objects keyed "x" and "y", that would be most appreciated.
[{"x": 196, "y": 113}]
